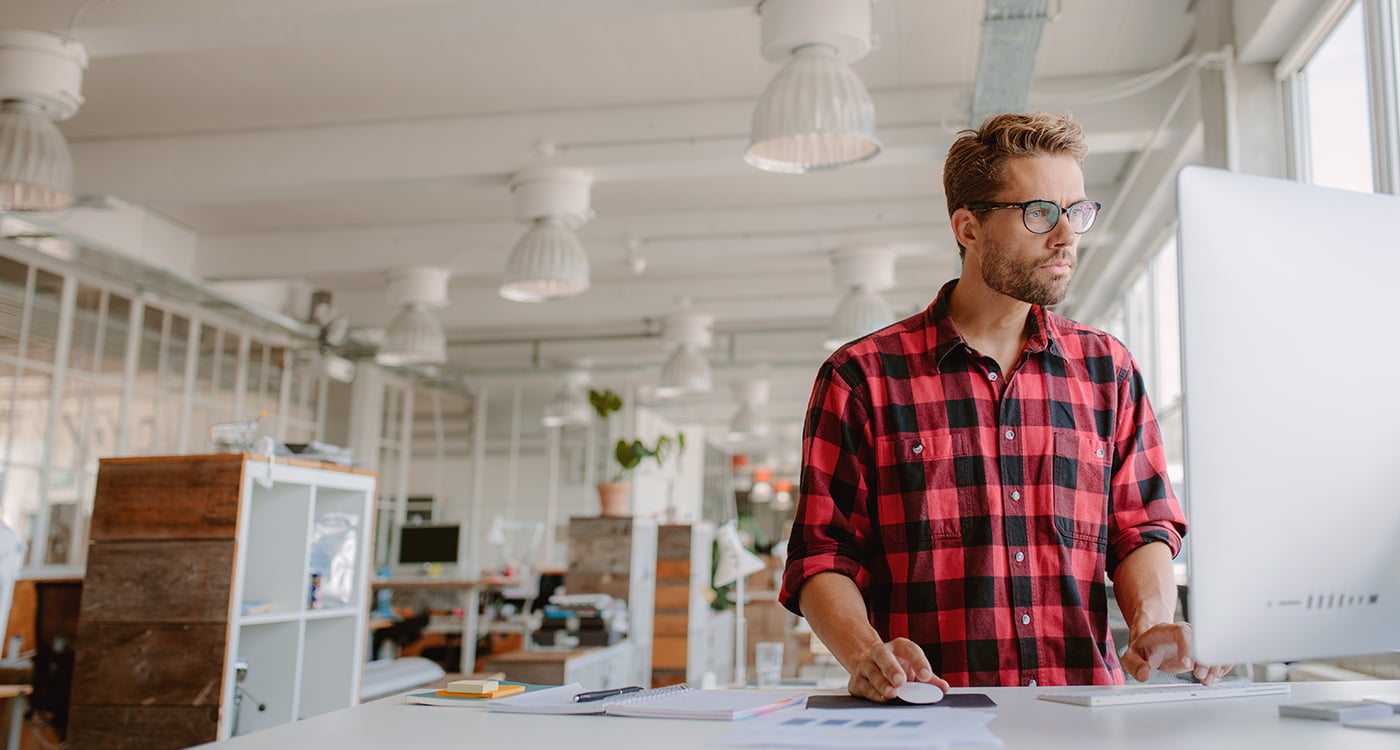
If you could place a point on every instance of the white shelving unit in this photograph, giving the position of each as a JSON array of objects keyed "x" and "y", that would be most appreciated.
[{"x": 303, "y": 660}]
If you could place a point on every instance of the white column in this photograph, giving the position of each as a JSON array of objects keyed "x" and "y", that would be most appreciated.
[
  {"x": 551, "y": 498},
  {"x": 1382, "y": 40},
  {"x": 187, "y": 397},
  {"x": 39, "y": 535}
]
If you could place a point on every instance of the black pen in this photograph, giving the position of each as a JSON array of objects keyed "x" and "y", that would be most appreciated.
[{"x": 598, "y": 695}]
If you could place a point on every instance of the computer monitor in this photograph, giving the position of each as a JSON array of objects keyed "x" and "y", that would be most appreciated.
[
  {"x": 1289, "y": 302},
  {"x": 429, "y": 544}
]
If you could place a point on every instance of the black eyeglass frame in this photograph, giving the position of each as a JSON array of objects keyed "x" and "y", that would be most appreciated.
[{"x": 1062, "y": 211}]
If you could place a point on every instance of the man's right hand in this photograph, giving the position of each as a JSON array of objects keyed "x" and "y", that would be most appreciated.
[{"x": 885, "y": 666}]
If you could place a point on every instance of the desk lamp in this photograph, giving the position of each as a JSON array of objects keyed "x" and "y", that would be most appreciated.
[
  {"x": 736, "y": 563},
  {"x": 520, "y": 546}
]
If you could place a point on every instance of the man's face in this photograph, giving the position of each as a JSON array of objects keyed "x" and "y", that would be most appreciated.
[{"x": 1033, "y": 268}]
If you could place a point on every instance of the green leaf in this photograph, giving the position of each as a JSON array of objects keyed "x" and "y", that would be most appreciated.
[
  {"x": 629, "y": 454},
  {"x": 662, "y": 450},
  {"x": 604, "y": 402}
]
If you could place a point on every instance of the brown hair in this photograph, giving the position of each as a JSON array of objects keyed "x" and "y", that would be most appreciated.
[{"x": 976, "y": 166}]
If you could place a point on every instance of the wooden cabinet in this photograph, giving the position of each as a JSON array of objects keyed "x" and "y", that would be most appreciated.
[
  {"x": 680, "y": 650},
  {"x": 617, "y": 556},
  {"x": 200, "y": 564}
]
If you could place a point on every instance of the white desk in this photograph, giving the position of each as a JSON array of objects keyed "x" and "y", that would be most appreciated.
[
  {"x": 1022, "y": 722},
  {"x": 470, "y": 591}
]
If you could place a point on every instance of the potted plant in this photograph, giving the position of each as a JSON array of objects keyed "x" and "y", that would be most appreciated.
[{"x": 629, "y": 454}]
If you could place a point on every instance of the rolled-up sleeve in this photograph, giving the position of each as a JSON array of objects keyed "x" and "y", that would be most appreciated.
[
  {"x": 832, "y": 525},
  {"x": 1144, "y": 508}
]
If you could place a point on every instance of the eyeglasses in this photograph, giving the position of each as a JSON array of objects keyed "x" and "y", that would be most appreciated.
[{"x": 1041, "y": 216}]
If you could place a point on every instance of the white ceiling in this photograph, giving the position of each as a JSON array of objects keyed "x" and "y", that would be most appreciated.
[{"x": 329, "y": 140}]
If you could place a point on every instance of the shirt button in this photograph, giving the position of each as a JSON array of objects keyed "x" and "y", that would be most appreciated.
[
  {"x": 1030, "y": 683},
  {"x": 918, "y": 448},
  {"x": 1025, "y": 619},
  {"x": 1010, "y": 434},
  {"x": 1015, "y": 495},
  {"x": 991, "y": 376},
  {"x": 1099, "y": 453},
  {"x": 1020, "y": 556}
]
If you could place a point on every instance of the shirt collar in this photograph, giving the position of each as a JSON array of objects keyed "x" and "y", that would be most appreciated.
[{"x": 943, "y": 337}]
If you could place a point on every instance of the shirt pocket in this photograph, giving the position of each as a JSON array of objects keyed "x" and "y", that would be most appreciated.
[
  {"x": 1081, "y": 476},
  {"x": 918, "y": 493}
]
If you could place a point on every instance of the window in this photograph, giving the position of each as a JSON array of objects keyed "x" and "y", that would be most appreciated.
[
  {"x": 1332, "y": 109},
  {"x": 1148, "y": 322},
  {"x": 90, "y": 369}
]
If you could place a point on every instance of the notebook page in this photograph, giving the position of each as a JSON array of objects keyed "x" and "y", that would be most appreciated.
[
  {"x": 722, "y": 705},
  {"x": 649, "y": 695},
  {"x": 559, "y": 700}
]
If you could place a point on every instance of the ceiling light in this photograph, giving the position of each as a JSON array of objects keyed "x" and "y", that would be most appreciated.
[
  {"x": 548, "y": 262},
  {"x": 686, "y": 371},
  {"x": 41, "y": 80},
  {"x": 861, "y": 312},
  {"x": 863, "y": 272},
  {"x": 415, "y": 336},
  {"x": 570, "y": 405},
  {"x": 749, "y": 422},
  {"x": 762, "y": 489},
  {"x": 782, "y": 495},
  {"x": 815, "y": 113}
]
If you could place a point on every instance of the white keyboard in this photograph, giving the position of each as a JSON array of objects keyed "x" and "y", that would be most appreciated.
[{"x": 1124, "y": 696}]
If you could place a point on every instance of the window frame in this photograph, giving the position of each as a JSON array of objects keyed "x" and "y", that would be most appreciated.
[
  {"x": 75, "y": 387},
  {"x": 1380, "y": 21}
]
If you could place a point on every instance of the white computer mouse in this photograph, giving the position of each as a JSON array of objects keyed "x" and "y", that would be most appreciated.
[{"x": 919, "y": 692}]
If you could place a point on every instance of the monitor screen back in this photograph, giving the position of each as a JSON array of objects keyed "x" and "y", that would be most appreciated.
[{"x": 1291, "y": 379}]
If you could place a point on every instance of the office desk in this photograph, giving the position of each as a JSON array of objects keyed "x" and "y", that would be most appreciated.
[
  {"x": 470, "y": 591},
  {"x": 594, "y": 667},
  {"x": 1022, "y": 722}
]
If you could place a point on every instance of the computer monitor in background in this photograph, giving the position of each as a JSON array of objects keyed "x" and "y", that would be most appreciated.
[
  {"x": 429, "y": 544},
  {"x": 1290, "y": 313}
]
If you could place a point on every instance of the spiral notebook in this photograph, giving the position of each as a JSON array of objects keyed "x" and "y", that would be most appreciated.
[{"x": 671, "y": 702}]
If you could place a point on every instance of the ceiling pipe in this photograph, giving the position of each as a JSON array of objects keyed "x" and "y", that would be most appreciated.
[{"x": 1011, "y": 32}]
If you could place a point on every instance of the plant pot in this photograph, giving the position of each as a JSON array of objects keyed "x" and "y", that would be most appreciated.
[{"x": 613, "y": 497}]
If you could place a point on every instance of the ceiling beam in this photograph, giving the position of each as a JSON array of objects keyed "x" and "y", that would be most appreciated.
[
  {"x": 179, "y": 28},
  {"x": 730, "y": 292},
  {"x": 1264, "y": 29},
  {"x": 622, "y": 143},
  {"x": 662, "y": 237}
]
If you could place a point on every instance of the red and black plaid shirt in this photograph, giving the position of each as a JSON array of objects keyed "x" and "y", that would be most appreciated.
[{"x": 978, "y": 512}]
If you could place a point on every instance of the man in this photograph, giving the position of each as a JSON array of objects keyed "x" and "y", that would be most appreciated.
[{"x": 971, "y": 473}]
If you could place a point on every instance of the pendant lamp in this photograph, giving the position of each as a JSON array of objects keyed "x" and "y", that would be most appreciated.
[
  {"x": 863, "y": 272},
  {"x": 686, "y": 371},
  {"x": 569, "y": 406},
  {"x": 548, "y": 262},
  {"x": 815, "y": 113},
  {"x": 41, "y": 81},
  {"x": 415, "y": 335},
  {"x": 748, "y": 422}
]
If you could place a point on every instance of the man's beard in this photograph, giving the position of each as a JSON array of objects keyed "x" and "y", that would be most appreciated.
[{"x": 1024, "y": 281}]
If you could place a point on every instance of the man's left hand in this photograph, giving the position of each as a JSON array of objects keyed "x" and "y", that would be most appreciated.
[{"x": 1167, "y": 647}]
